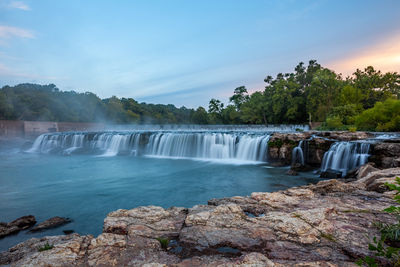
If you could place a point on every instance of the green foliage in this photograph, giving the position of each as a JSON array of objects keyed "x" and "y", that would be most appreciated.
[
  {"x": 47, "y": 102},
  {"x": 277, "y": 143},
  {"x": 368, "y": 100},
  {"x": 163, "y": 241},
  {"x": 384, "y": 116},
  {"x": 46, "y": 246},
  {"x": 200, "y": 116},
  {"x": 390, "y": 233},
  {"x": 215, "y": 108},
  {"x": 334, "y": 122},
  {"x": 239, "y": 97},
  {"x": 352, "y": 129}
]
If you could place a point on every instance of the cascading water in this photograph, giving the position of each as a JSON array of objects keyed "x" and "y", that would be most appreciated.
[
  {"x": 298, "y": 155},
  {"x": 345, "y": 156},
  {"x": 199, "y": 145}
]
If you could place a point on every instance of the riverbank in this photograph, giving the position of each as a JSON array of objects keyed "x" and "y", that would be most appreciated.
[{"x": 330, "y": 222}]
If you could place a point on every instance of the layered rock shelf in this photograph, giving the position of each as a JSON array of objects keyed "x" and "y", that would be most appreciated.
[
  {"x": 326, "y": 224},
  {"x": 384, "y": 153}
]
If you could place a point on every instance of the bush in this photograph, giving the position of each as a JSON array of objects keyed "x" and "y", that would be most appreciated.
[
  {"x": 334, "y": 122},
  {"x": 384, "y": 116},
  {"x": 352, "y": 129}
]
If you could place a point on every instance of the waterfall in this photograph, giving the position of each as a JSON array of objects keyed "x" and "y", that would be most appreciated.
[
  {"x": 298, "y": 155},
  {"x": 198, "y": 145},
  {"x": 345, "y": 156}
]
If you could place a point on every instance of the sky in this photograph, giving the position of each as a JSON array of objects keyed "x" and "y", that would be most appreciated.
[{"x": 187, "y": 52}]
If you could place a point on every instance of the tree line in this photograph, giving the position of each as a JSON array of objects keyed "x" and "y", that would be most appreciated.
[
  {"x": 48, "y": 103},
  {"x": 366, "y": 100}
]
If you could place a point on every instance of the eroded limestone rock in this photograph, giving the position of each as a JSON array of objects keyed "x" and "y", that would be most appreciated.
[{"x": 326, "y": 224}]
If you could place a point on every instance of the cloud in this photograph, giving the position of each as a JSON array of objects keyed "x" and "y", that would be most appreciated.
[
  {"x": 19, "y": 5},
  {"x": 383, "y": 55},
  {"x": 7, "y": 32},
  {"x": 23, "y": 76}
]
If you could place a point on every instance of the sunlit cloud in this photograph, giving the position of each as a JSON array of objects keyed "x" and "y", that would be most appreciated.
[
  {"x": 384, "y": 56},
  {"x": 19, "y": 5}
]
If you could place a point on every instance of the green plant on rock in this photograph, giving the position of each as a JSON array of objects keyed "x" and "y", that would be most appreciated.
[
  {"x": 388, "y": 244},
  {"x": 277, "y": 143},
  {"x": 46, "y": 246},
  {"x": 163, "y": 241},
  {"x": 352, "y": 129}
]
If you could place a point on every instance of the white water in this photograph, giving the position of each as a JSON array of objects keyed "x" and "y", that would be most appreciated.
[
  {"x": 345, "y": 156},
  {"x": 298, "y": 155},
  {"x": 239, "y": 147}
]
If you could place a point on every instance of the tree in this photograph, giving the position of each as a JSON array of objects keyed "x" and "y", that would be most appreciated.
[
  {"x": 215, "y": 108},
  {"x": 200, "y": 116},
  {"x": 376, "y": 86},
  {"x": 254, "y": 110},
  {"x": 322, "y": 94},
  {"x": 230, "y": 115},
  {"x": 239, "y": 97}
]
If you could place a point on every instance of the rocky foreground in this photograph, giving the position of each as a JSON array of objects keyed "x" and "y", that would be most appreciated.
[{"x": 327, "y": 224}]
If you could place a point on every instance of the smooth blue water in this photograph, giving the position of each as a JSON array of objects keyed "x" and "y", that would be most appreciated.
[{"x": 87, "y": 187}]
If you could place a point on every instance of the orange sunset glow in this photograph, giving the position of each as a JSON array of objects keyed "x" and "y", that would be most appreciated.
[{"x": 383, "y": 55}]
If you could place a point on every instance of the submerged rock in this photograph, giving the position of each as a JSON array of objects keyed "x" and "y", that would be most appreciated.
[
  {"x": 326, "y": 224},
  {"x": 51, "y": 223},
  {"x": 331, "y": 174}
]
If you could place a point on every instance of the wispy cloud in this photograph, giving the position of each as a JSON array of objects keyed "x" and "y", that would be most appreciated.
[
  {"x": 383, "y": 55},
  {"x": 23, "y": 76},
  {"x": 7, "y": 32},
  {"x": 19, "y": 5}
]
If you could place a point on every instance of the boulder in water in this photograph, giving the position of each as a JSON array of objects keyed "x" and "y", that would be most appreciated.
[
  {"x": 331, "y": 174},
  {"x": 17, "y": 225},
  {"x": 51, "y": 223},
  {"x": 292, "y": 172},
  {"x": 365, "y": 170}
]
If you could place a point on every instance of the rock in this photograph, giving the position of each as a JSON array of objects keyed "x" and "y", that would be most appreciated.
[
  {"x": 317, "y": 147},
  {"x": 51, "y": 223},
  {"x": 365, "y": 170},
  {"x": 351, "y": 174},
  {"x": 372, "y": 176},
  {"x": 24, "y": 222},
  {"x": 280, "y": 146},
  {"x": 151, "y": 222},
  {"x": 6, "y": 230},
  {"x": 345, "y": 135},
  {"x": 300, "y": 168},
  {"x": 17, "y": 225},
  {"x": 68, "y": 232},
  {"x": 325, "y": 224},
  {"x": 331, "y": 174},
  {"x": 292, "y": 172},
  {"x": 67, "y": 251},
  {"x": 386, "y": 154},
  {"x": 378, "y": 185}
]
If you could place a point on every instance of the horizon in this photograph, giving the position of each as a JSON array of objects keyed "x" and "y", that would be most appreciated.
[{"x": 168, "y": 53}]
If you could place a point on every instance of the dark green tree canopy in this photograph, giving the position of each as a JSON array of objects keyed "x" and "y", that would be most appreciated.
[{"x": 309, "y": 93}]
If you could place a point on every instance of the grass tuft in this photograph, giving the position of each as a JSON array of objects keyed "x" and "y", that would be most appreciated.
[{"x": 47, "y": 246}]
